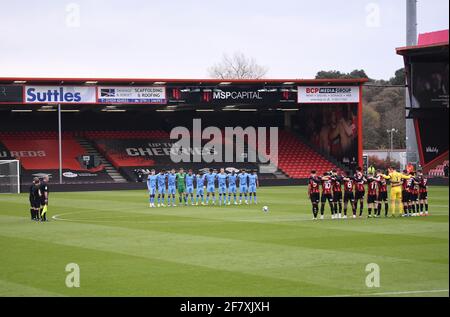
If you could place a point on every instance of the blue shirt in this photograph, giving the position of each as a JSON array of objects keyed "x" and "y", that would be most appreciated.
[
  {"x": 222, "y": 178},
  {"x": 189, "y": 180},
  {"x": 232, "y": 179},
  {"x": 200, "y": 181},
  {"x": 243, "y": 179},
  {"x": 171, "y": 179},
  {"x": 151, "y": 181},
  {"x": 252, "y": 178},
  {"x": 161, "y": 180},
  {"x": 210, "y": 179}
]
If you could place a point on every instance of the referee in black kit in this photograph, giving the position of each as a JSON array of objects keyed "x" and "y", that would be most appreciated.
[
  {"x": 43, "y": 191},
  {"x": 35, "y": 199}
]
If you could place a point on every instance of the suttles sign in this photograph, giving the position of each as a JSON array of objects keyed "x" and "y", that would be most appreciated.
[
  {"x": 59, "y": 94},
  {"x": 145, "y": 95},
  {"x": 328, "y": 94}
]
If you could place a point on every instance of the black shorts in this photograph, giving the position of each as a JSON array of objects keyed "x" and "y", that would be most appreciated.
[
  {"x": 337, "y": 196},
  {"x": 315, "y": 198},
  {"x": 423, "y": 195},
  {"x": 413, "y": 197},
  {"x": 326, "y": 197},
  {"x": 35, "y": 203},
  {"x": 349, "y": 196},
  {"x": 371, "y": 199},
  {"x": 359, "y": 195},
  {"x": 406, "y": 196},
  {"x": 382, "y": 196}
]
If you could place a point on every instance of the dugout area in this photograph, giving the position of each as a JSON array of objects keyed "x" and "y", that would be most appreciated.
[{"x": 106, "y": 133}]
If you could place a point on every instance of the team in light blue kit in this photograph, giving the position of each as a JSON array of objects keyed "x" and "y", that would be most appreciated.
[
  {"x": 191, "y": 187},
  {"x": 172, "y": 187},
  {"x": 151, "y": 185},
  {"x": 161, "y": 178},
  {"x": 211, "y": 186},
  {"x": 243, "y": 186},
  {"x": 200, "y": 180}
]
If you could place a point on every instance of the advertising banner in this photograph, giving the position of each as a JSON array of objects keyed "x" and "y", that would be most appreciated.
[
  {"x": 13, "y": 94},
  {"x": 145, "y": 95},
  {"x": 430, "y": 85},
  {"x": 60, "y": 94},
  {"x": 232, "y": 96},
  {"x": 328, "y": 94},
  {"x": 433, "y": 137}
]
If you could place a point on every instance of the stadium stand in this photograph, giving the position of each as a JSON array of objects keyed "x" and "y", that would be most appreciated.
[
  {"x": 438, "y": 171},
  {"x": 127, "y": 151},
  {"x": 296, "y": 159},
  {"x": 38, "y": 153}
]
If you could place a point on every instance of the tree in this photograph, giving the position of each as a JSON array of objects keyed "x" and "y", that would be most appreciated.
[
  {"x": 237, "y": 66},
  {"x": 400, "y": 77},
  {"x": 335, "y": 74}
]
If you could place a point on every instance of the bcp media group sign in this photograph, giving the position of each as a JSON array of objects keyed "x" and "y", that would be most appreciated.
[{"x": 328, "y": 94}]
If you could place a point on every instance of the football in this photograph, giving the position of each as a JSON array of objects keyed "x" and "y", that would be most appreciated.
[{"x": 265, "y": 209}]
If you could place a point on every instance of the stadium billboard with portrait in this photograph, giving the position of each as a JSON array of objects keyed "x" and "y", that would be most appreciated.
[{"x": 430, "y": 85}]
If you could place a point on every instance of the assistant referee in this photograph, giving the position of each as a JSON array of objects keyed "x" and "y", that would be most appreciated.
[{"x": 44, "y": 198}]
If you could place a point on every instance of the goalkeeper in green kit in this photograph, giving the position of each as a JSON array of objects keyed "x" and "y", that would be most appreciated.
[{"x": 181, "y": 175}]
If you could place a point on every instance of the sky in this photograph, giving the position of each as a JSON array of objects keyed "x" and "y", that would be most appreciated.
[{"x": 182, "y": 38}]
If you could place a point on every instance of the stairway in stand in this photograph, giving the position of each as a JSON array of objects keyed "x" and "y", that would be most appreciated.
[{"x": 109, "y": 168}]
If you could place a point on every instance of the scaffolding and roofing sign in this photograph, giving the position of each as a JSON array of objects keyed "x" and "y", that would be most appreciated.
[{"x": 132, "y": 95}]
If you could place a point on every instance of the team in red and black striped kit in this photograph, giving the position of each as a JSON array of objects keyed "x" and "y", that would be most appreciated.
[
  {"x": 342, "y": 189},
  {"x": 327, "y": 190},
  {"x": 337, "y": 180},
  {"x": 314, "y": 192},
  {"x": 372, "y": 195},
  {"x": 406, "y": 197},
  {"x": 349, "y": 195},
  {"x": 423, "y": 193},
  {"x": 360, "y": 190},
  {"x": 382, "y": 195},
  {"x": 413, "y": 187}
]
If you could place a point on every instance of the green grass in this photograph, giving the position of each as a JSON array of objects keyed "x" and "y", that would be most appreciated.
[{"x": 124, "y": 248}]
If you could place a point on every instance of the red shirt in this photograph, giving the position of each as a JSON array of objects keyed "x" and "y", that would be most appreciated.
[
  {"x": 415, "y": 186},
  {"x": 382, "y": 185},
  {"x": 314, "y": 185},
  {"x": 410, "y": 185},
  {"x": 337, "y": 185},
  {"x": 348, "y": 186},
  {"x": 373, "y": 187},
  {"x": 359, "y": 179},
  {"x": 423, "y": 185},
  {"x": 405, "y": 184},
  {"x": 326, "y": 186}
]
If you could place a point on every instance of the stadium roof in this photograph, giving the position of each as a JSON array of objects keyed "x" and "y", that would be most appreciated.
[
  {"x": 175, "y": 82},
  {"x": 428, "y": 42}
]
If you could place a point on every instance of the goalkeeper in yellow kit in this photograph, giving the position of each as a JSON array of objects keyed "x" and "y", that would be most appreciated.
[{"x": 396, "y": 188}]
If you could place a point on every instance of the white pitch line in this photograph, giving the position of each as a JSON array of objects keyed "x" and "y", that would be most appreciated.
[{"x": 393, "y": 293}]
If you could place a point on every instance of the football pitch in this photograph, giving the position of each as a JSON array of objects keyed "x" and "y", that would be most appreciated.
[{"x": 124, "y": 248}]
